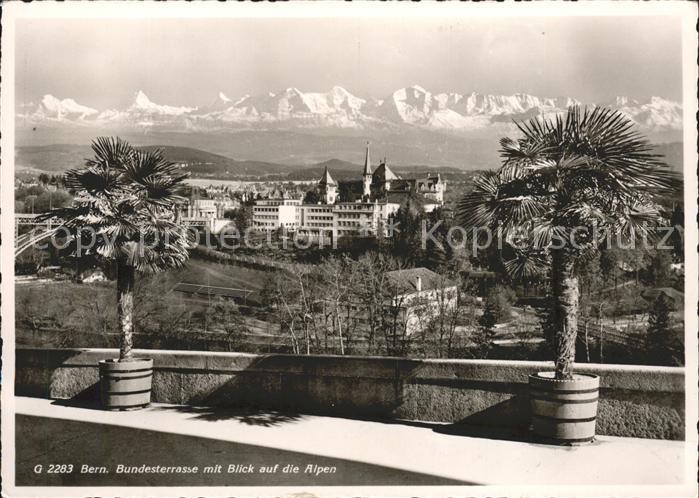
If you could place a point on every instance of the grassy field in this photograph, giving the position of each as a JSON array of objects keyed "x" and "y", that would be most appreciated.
[
  {"x": 218, "y": 274},
  {"x": 87, "y": 312}
]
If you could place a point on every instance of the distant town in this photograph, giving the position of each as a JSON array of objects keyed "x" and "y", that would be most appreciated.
[{"x": 269, "y": 294}]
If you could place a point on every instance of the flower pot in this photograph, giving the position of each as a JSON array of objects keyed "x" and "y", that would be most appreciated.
[
  {"x": 125, "y": 385},
  {"x": 564, "y": 411}
]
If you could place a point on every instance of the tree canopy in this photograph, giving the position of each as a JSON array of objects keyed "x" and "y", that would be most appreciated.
[
  {"x": 125, "y": 207},
  {"x": 568, "y": 186}
]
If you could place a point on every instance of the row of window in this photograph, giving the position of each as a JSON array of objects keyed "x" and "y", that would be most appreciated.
[
  {"x": 322, "y": 225},
  {"x": 353, "y": 215},
  {"x": 354, "y": 207},
  {"x": 349, "y": 223}
]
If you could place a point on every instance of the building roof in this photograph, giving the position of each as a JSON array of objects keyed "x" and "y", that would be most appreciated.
[
  {"x": 480, "y": 274},
  {"x": 402, "y": 185},
  {"x": 405, "y": 281},
  {"x": 367, "y": 162},
  {"x": 402, "y": 197},
  {"x": 672, "y": 294},
  {"x": 384, "y": 173},
  {"x": 326, "y": 179},
  {"x": 428, "y": 183},
  {"x": 276, "y": 194}
]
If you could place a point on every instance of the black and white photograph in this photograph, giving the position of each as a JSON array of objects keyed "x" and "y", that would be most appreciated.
[{"x": 349, "y": 249}]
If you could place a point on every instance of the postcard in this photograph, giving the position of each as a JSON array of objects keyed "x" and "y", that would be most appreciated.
[{"x": 349, "y": 249}]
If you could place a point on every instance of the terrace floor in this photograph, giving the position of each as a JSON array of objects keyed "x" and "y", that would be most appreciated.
[{"x": 339, "y": 451}]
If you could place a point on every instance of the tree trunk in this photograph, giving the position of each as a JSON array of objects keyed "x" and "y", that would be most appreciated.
[
  {"x": 294, "y": 341},
  {"x": 565, "y": 312},
  {"x": 308, "y": 337},
  {"x": 339, "y": 328},
  {"x": 126, "y": 277},
  {"x": 372, "y": 326},
  {"x": 601, "y": 343}
]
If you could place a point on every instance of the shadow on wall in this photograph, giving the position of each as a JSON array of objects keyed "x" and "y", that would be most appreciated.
[
  {"x": 475, "y": 399},
  {"x": 484, "y": 423},
  {"x": 274, "y": 389},
  {"x": 36, "y": 371},
  {"x": 287, "y": 384},
  {"x": 475, "y": 407}
]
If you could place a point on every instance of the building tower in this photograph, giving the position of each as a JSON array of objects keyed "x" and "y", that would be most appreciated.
[
  {"x": 366, "y": 175},
  {"x": 327, "y": 188}
]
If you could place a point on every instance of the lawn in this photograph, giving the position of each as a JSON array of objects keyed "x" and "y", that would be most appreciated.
[
  {"x": 202, "y": 272},
  {"x": 65, "y": 313}
]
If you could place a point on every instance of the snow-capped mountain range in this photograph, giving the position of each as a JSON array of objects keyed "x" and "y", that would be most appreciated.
[{"x": 339, "y": 109}]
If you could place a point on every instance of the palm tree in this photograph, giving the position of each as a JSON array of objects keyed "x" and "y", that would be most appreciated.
[
  {"x": 125, "y": 215},
  {"x": 566, "y": 186}
]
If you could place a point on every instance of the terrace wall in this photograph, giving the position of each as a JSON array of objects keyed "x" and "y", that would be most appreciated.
[{"x": 478, "y": 397}]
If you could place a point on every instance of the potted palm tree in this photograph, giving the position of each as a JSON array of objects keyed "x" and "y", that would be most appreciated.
[
  {"x": 568, "y": 185},
  {"x": 125, "y": 216}
]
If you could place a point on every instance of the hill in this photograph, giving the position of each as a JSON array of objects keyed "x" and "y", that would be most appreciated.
[
  {"x": 478, "y": 150},
  {"x": 673, "y": 154},
  {"x": 55, "y": 158},
  {"x": 58, "y": 158},
  {"x": 202, "y": 164}
]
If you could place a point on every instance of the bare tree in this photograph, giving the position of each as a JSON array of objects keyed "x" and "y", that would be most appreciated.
[
  {"x": 370, "y": 292},
  {"x": 396, "y": 319},
  {"x": 232, "y": 323},
  {"x": 442, "y": 316},
  {"x": 339, "y": 278},
  {"x": 293, "y": 294}
]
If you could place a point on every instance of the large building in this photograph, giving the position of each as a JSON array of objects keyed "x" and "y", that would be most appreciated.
[
  {"x": 210, "y": 207},
  {"x": 421, "y": 295},
  {"x": 272, "y": 214},
  {"x": 412, "y": 299},
  {"x": 385, "y": 184},
  {"x": 382, "y": 194}
]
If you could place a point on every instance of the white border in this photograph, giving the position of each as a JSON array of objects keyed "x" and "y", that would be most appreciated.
[
  {"x": 690, "y": 77},
  {"x": 13, "y": 11}
]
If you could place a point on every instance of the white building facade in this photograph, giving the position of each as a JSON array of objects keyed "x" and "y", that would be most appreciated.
[
  {"x": 421, "y": 295},
  {"x": 370, "y": 215},
  {"x": 272, "y": 214},
  {"x": 208, "y": 208}
]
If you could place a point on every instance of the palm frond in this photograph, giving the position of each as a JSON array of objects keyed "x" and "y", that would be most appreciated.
[
  {"x": 569, "y": 175},
  {"x": 527, "y": 263},
  {"x": 637, "y": 221},
  {"x": 110, "y": 152},
  {"x": 477, "y": 208},
  {"x": 127, "y": 198}
]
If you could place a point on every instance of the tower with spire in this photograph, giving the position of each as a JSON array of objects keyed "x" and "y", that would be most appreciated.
[
  {"x": 367, "y": 175},
  {"x": 327, "y": 188}
]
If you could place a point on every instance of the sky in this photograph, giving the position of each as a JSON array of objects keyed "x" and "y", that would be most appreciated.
[{"x": 102, "y": 63}]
